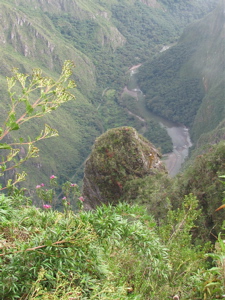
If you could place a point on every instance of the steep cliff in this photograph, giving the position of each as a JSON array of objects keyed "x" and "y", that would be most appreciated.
[{"x": 118, "y": 156}]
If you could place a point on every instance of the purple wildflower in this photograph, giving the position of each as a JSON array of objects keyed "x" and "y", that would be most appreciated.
[
  {"x": 38, "y": 186},
  {"x": 81, "y": 199},
  {"x": 52, "y": 176}
]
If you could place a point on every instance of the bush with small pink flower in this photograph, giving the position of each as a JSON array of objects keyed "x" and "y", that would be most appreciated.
[{"x": 68, "y": 195}]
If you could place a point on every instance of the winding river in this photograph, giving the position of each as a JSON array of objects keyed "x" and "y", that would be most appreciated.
[{"x": 179, "y": 134}]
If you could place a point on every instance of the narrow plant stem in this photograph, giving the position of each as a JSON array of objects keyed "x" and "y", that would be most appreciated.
[
  {"x": 179, "y": 227},
  {"x": 36, "y": 248}
]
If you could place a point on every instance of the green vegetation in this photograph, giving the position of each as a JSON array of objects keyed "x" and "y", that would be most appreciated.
[
  {"x": 150, "y": 128},
  {"x": 209, "y": 138},
  {"x": 154, "y": 251},
  {"x": 202, "y": 178},
  {"x": 172, "y": 89},
  {"x": 164, "y": 237},
  {"x": 111, "y": 253},
  {"x": 158, "y": 136},
  {"x": 30, "y": 98},
  {"x": 186, "y": 83},
  {"x": 112, "y": 114}
]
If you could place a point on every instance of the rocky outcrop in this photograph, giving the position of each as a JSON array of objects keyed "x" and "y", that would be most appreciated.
[{"x": 118, "y": 156}]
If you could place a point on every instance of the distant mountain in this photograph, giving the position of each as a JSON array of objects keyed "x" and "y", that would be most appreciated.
[
  {"x": 103, "y": 38},
  {"x": 186, "y": 83}
]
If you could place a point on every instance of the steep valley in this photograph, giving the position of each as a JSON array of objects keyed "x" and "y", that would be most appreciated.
[
  {"x": 104, "y": 39},
  {"x": 195, "y": 93},
  {"x": 175, "y": 144}
]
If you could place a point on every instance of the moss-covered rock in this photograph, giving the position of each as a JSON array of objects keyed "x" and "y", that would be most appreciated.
[{"x": 118, "y": 156}]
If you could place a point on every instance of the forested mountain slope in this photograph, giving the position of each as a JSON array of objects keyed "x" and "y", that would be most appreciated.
[
  {"x": 104, "y": 39},
  {"x": 186, "y": 83}
]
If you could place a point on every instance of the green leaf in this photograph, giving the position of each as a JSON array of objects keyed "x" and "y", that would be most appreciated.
[
  {"x": 9, "y": 183},
  {"x": 29, "y": 108},
  {"x": 5, "y": 146},
  {"x": 12, "y": 117},
  {"x": 3, "y": 167},
  {"x": 14, "y": 126},
  {"x": 49, "y": 277},
  {"x": 212, "y": 284}
]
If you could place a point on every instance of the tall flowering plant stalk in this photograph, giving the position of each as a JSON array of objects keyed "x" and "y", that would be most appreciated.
[
  {"x": 47, "y": 195},
  {"x": 70, "y": 196},
  {"x": 30, "y": 97}
]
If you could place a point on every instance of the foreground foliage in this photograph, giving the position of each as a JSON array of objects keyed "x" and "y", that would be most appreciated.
[
  {"x": 31, "y": 97},
  {"x": 111, "y": 253}
]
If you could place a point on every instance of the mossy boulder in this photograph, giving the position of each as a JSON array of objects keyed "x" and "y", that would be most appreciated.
[{"x": 118, "y": 156}]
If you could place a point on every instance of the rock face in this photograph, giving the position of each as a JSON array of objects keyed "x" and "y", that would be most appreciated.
[{"x": 119, "y": 155}]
